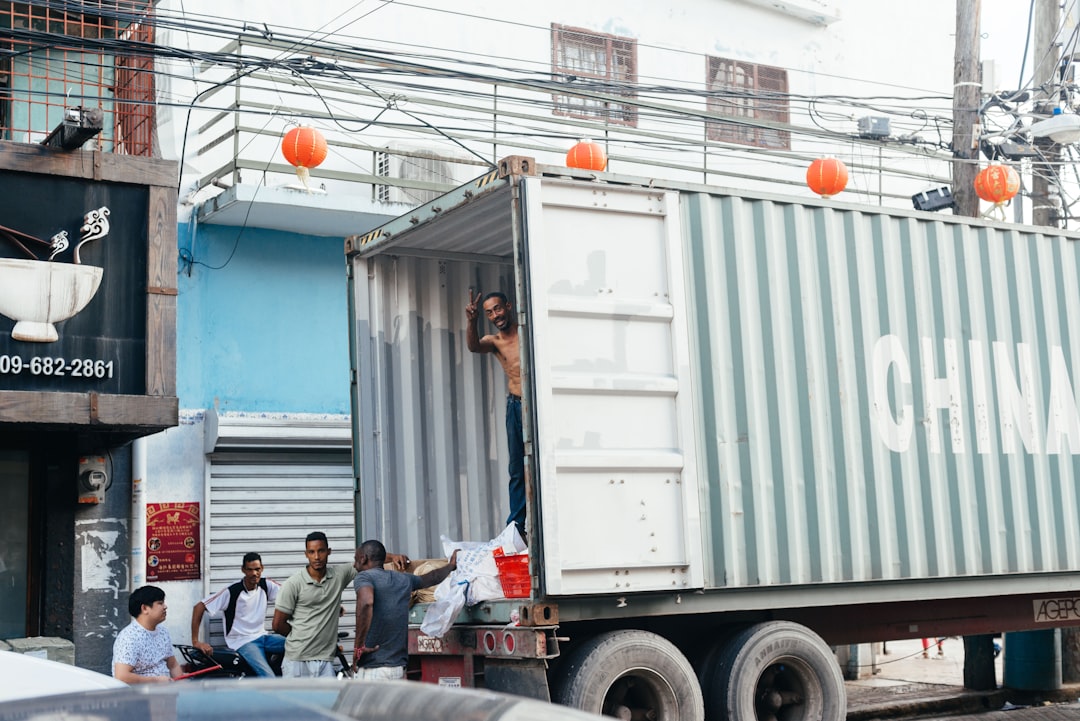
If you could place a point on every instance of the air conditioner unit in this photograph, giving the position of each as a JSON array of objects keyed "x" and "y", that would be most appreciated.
[{"x": 412, "y": 164}]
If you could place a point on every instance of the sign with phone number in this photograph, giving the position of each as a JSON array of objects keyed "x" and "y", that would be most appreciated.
[{"x": 56, "y": 366}]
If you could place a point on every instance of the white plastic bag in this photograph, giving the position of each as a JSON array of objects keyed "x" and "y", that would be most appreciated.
[
  {"x": 476, "y": 564},
  {"x": 475, "y": 579},
  {"x": 440, "y": 615}
]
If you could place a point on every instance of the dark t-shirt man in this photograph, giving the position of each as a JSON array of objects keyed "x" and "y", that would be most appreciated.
[{"x": 390, "y": 617}]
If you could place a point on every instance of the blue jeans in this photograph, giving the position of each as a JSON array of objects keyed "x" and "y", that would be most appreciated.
[
  {"x": 258, "y": 651},
  {"x": 516, "y": 444}
]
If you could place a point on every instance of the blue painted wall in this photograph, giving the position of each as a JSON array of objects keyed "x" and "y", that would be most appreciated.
[{"x": 265, "y": 329}]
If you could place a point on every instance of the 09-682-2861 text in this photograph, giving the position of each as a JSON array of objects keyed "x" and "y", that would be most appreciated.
[{"x": 56, "y": 366}]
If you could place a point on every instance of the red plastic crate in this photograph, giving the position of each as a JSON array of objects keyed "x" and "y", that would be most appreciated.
[{"x": 514, "y": 574}]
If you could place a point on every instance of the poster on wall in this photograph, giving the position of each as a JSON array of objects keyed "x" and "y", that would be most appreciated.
[{"x": 172, "y": 542}]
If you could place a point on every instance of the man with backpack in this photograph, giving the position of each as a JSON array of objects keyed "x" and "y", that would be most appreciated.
[{"x": 243, "y": 604}]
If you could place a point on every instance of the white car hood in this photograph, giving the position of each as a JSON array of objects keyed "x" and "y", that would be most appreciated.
[{"x": 29, "y": 677}]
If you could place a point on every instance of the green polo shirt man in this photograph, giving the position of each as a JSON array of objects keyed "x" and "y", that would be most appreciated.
[{"x": 307, "y": 609}]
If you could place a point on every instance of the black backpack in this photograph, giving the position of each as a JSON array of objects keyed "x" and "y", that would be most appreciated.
[{"x": 234, "y": 594}]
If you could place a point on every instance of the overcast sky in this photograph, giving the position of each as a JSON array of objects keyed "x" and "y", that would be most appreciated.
[{"x": 1004, "y": 25}]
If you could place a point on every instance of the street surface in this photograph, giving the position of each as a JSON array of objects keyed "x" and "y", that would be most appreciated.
[
  {"x": 1051, "y": 712},
  {"x": 903, "y": 663},
  {"x": 906, "y": 685}
]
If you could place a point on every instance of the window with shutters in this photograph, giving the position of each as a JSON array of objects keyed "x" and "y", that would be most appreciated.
[
  {"x": 754, "y": 97},
  {"x": 602, "y": 67}
]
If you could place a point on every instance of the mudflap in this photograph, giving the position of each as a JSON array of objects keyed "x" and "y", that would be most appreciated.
[{"x": 520, "y": 677}]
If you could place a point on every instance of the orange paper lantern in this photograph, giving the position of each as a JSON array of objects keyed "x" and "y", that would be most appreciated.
[
  {"x": 587, "y": 155},
  {"x": 997, "y": 184},
  {"x": 827, "y": 176},
  {"x": 304, "y": 147}
]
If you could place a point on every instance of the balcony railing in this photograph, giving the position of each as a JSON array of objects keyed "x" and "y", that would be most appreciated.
[{"x": 398, "y": 131}]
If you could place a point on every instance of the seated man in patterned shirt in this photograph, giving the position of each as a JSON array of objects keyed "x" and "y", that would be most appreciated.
[{"x": 143, "y": 651}]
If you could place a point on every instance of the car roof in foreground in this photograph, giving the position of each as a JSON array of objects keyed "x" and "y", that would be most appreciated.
[
  {"x": 299, "y": 699},
  {"x": 23, "y": 676}
]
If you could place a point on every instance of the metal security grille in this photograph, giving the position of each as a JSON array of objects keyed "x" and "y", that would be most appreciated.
[
  {"x": 268, "y": 501},
  {"x": 64, "y": 55},
  {"x": 594, "y": 63},
  {"x": 134, "y": 119},
  {"x": 748, "y": 94}
]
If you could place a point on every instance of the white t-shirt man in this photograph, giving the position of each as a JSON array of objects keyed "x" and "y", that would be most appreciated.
[{"x": 249, "y": 622}]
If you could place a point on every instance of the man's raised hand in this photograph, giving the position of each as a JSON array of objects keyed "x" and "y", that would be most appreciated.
[{"x": 473, "y": 307}]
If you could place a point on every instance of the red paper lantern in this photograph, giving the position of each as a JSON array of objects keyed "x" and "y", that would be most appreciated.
[
  {"x": 827, "y": 176},
  {"x": 587, "y": 155},
  {"x": 304, "y": 147},
  {"x": 997, "y": 184}
]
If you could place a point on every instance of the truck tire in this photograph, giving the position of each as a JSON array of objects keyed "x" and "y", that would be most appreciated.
[
  {"x": 775, "y": 670},
  {"x": 630, "y": 674}
]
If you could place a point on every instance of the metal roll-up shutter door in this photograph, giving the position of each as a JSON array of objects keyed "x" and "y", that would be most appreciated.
[{"x": 266, "y": 499}]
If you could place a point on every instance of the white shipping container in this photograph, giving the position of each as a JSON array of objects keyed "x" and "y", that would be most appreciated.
[{"x": 857, "y": 419}]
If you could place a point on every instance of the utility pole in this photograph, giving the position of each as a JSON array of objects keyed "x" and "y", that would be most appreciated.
[
  {"x": 1046, "y": 60},
  {"x": 1046, "y": 200},
  {"x": 967, "y": 97},
  {"x": 979, "y": 672}
]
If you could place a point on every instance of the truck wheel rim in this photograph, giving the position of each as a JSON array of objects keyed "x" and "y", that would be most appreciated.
[
  {"x": 782, "y": 691},
  {"x": 640, "y": 695}
]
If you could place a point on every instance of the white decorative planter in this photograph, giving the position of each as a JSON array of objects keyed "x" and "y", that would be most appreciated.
[{"x": 37, "y": 293}]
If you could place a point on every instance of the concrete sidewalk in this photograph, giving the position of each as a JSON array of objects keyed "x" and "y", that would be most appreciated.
[{"x": 906, "y": 684}]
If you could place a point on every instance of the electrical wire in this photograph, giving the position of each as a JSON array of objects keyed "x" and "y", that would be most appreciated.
[
  {"x": 225, "y": 27},
  {"x": 190, "y": 258},
  {"x": 547, "y": 29},
  {"x": 671, "y": 106},
  {"x": 546, "y": 71},
  {"x": 382, "y": 72},
  {"x": 1027, "y": 44},
  {"x": 607, "y": 86}
]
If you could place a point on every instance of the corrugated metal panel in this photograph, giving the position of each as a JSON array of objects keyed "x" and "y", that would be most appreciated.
[
  {"x": 431, "y": 449},
  {"x": 268, "y": 501},
  {"x": 827, "y": 336},
  {"x": 471, "y": 219},
  {"x": 266, "y": 431}
]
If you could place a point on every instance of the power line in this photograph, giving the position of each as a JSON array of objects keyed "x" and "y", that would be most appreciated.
[
  {"x": 610, "y": 87},
  {"x": 300, "y": 68},
  {"x": 547, "y": 29},
  {"x": 674, "y": 108}
]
